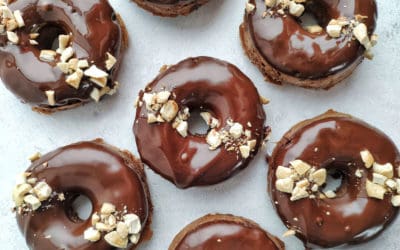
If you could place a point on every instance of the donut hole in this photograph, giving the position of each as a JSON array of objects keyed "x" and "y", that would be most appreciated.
[
  {"x": 48, "y": 38},
  {"x": 80, "y": 208},
  {"x": 337, "y": 177},
  {"x": 315, "y": 13},
  {"x": 197, "y": 125}
]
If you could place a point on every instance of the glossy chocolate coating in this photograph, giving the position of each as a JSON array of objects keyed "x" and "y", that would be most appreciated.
[
  {"x": 202, "y": 84},
  {"x": 288, "y": 47},
  {"x": 95, "y": 31},
  {"x": 95, "y": 170},
  {"x": 352, "y": 217},
  {"x": 225, "y": 232}
]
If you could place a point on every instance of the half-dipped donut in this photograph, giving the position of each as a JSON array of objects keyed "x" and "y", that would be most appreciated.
[
  {"x": 61, "y": 54},
  {"x": 224, "y": 232},
  {"x": 230, "y": 105},
  {"x": 113, "y": 180},
  {"x": 170, "y": 8},
  {"x": 337, "y": 145},
  {"x": 315, "y": 56}
]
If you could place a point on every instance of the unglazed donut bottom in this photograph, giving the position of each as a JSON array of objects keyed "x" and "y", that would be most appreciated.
[
  {"x": 170, "y": 8},
  {"x": 334, "y": 141},
  {"x": 201, "y": 84},
  {"x": 224, "y": 232},
  {"x": 285, "y": 53},
  {"x": 94, "y": 29},
  {"x": 102, "y": 173}
]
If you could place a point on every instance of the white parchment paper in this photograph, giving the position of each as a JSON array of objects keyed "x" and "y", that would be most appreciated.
[{"x": 371, "y": 93}]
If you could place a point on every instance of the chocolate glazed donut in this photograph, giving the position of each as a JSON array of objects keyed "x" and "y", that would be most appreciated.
[
  {"x": 333, "y": 141},
  {"x": 225, "y": 232},
  {"x": 170, "y": 8},
  {"x": 285, "y": 52},
  {"x": 201, "y": 84},
  {"x": 95, "y": 30},
  {"x": 94, "y": 169}
]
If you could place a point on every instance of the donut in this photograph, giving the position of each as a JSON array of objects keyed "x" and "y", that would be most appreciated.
[
  {"x": 314, "y": 153},
  {"x": 220, "y": 232},
  {"x": 229, "y": 104},
  {"x": 57, "y": 55},
  {"x": 170, "y": 8},
  {"x": 113, "y": 180},
  {"x": 287, "y": 48}
]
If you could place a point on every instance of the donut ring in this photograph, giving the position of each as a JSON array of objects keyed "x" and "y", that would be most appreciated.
[
  {"x": 216, "y": 88},
  {"x": 219, "y": 232},
  {"x": 46, "y": 73},
  {"x": 99, "y": 171},
  {"x": 170, "y": 8},
  {"x": 350, "y": 215},
  {"x": 285, "y": 52}
]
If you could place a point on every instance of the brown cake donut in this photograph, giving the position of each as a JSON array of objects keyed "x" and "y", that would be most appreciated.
[
  {"x": 315, "y": 56},
  {"x": 228, "y": 102},
  {"x": 113, "y": 180},
  {"x": 224, "y": 232},
  {"x": 57, "y": 55},
  {"x": 340, "y": 146},
  {"x": 170, "y": 8}
]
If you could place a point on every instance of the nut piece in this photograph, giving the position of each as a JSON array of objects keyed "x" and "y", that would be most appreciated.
[
  {"x": 107, "y": 208},
  {"x": 67, "y": 54},
  {"x": 95, "y": 72},
  {"x": 375, "y": 190},
  {"x": 330, "y": 194},
  {"x": 122, "y": 229},
  {"x": 244, "y": 151},
  {"x": 134, "y": 238},
  {"x": 250, "y": 7},
  {"x": 282, "y": 172},
  {"x": 110, "y": 62},
  {"x": 183, "y": 128},
  {"x": 42, "y": 190},
  {"x": 396, "y": 200},
  {"x": 236, "y": 130},
  {"x": 296, "y": 9},
  {"x": 169, "y": 110},
  {"x": 284, "y": 185},
  {"x": 162, "y": 97},
  {"x": 391, "y": 184},
  {"x": 334, "y": 30},
  {"x": 300, "y": 166},
  {"x": 319, "y": 176},
  {"x": 91, "y": 234},
  {"x": 361, "y": 34},
  {"x": 74, "y": 79},
  {"x": 19, "y": 19},
  {"x": 47, "y": 55},
  {"x": 115, "y": 240},
  {"x": 367, "y": 158},
  {"x": 32, "y": 201},
  {"x": 213, "y": 139},
  {"x": 299, "y": 193},
  {"x": 379, "y": 179},
  {"x": 51, "y": 97},
  {"x": 12, "y": 37},
  {"x": 386, "y": 169},
  {"x": 314, "y": 29},
  {"x": 133, "y": 223},
  {"x": 270, "y": 3}
]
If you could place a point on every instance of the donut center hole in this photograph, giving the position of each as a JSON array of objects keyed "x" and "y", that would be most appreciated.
[
  {"x": 315, "y": 14},
  {"x": 81, "y": 208},
  {"x": 334, "y": 180},
  {"x": 197, "y": 125},
  {"x": 48, "y": 37},
  {"x": 308, "y": 19}
]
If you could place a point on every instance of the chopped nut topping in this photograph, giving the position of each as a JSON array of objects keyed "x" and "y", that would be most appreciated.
[
  {"x": 296, "y": 9},
  {"x": 95, "y": 94},
  {"x": 12, "y": 37},
  {"x": 285, "y": 185},
  {"x": 379, "y": 179},
  {"x": 330, "y": 194},
  {"x": 110, "y": 62},
  {"x": 314, "y": 29},
  {"x": 300, "y": 166},
  {"x": 264, "y": 100},
  {"x": 63, "y": 42},
  {"x": 91, "y": 234},
  {"x": 74, "y": 79},
  {"x": 319, "y": 177},
  {"x": 386, "y": 169},
  {"x": 95, "y": 72},
  {"x": 282, "y": 172},
  {"x": 236, "y": 130},
  {"x": 367, "y": 158},
  {"x": 47, "y": 55},
  {"x": 183, "y": 128},
  {"x": 67, "y": 54},
  {"x": 289, "y": 233},
  {"x": 214, "y": 139},
  {"x": 396, "y": 200},
  {"x": 169, "y": 110},
  {"x": 42, "y": 191},
  {"x": 250, "y": 7},
  {"x": 51, "y": 97},
  {"x": 35, "y": 156},
  {"x": 375, "y": 190},
  {"x": 358, "y": 173}
]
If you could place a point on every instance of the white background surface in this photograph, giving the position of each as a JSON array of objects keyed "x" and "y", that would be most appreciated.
[{"x": 371, "y": 93}]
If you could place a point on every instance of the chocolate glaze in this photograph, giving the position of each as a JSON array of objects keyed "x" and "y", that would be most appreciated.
[
  {"x": 95, "y": 30},
  {"x": 94, "y": 169},
  {"x": 202, "y": 84},
  {"x": 226, "y": 233},
  {"x": 283, "y": 42},
  {"x": 354, "y": 217}
]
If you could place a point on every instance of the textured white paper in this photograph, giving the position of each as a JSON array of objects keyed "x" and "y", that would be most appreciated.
[{"x": 371, "y": 93}]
